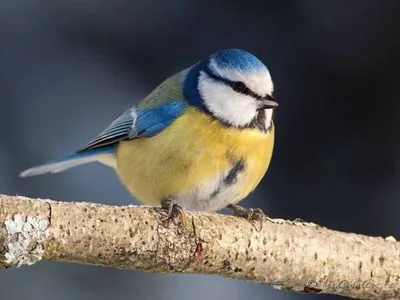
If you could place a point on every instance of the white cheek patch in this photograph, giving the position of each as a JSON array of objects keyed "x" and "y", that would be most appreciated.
[
  {"x": 226, "y": 104},
  {"x": 259, "y": 82}
]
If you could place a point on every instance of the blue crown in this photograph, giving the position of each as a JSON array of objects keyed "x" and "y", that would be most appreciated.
[{"x": 238, "y": 59}]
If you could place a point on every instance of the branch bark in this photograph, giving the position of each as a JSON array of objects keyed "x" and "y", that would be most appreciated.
[{"x": 291, "y": 255}]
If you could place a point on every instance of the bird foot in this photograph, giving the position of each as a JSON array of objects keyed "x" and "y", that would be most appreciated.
[
  {"x": 171, "y": 211},
  {"x": 251, "y": 214}
]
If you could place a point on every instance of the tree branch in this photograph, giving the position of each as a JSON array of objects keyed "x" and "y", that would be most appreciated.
[{"x": 296, "y": 255}]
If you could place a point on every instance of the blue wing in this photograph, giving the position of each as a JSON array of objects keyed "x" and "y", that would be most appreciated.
[{"x": 137, "y": 122}]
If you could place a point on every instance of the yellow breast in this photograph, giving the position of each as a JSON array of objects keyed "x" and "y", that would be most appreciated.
[{"x": 185, "y": 157}]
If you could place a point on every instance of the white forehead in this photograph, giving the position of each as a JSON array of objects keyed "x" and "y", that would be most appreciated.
[{"x": 258, "y": 80}]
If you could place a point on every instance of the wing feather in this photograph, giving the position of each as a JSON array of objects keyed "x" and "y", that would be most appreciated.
[{"x": 138, "y": 122}]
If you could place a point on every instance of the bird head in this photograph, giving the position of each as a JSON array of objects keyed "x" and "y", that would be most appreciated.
[{"x": 233, "y": 86}]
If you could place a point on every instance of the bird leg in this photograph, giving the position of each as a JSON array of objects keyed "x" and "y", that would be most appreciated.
[
  {"x": 172, "y": 210},
  {"x": 251, "y": 214}
]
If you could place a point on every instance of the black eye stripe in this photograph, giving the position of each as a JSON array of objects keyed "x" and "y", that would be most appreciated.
[
  {"x": 240, "y": 87},
  {"x": 237, "y": 86}
]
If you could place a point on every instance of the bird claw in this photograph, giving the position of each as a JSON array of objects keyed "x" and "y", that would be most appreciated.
[
  {"x": 255, "y": 214},
  {"x": 171, "y": 211},
  {"x": 251, "y": 214}
]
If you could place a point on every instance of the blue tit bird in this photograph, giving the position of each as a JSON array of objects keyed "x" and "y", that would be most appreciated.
[{"x": 201, "y": 141}]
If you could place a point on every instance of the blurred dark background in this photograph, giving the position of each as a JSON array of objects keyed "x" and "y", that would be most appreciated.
[{"x": 67, "y": 68}]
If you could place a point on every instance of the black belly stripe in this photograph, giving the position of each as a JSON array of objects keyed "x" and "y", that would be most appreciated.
[
  {"x": 230, "y": 178},
  {"x": 216, "y": 192},
  {"x": 237, "y": 168}
]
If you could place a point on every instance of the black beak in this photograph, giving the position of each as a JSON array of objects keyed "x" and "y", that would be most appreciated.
[{"x": 267, "y": 103}]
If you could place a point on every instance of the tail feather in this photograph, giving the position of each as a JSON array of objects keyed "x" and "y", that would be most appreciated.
[{"x": 68, "y": 161}]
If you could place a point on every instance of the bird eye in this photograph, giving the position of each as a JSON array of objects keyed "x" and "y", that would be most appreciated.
[{"x": 239, "y": 87}]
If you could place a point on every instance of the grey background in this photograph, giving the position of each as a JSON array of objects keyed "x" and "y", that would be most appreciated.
[{"x": 67, "y": 68}]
